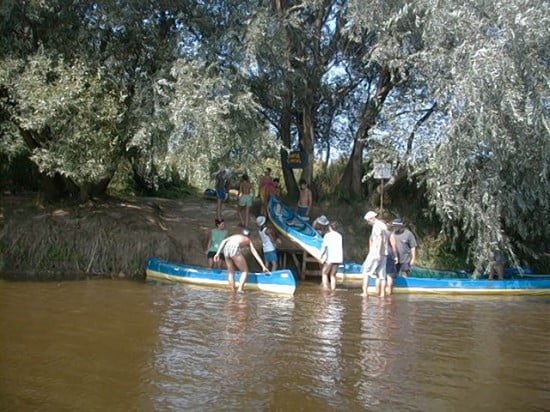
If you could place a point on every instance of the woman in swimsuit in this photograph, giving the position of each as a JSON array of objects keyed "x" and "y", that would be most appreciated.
[{"x": 232, "y": 249}]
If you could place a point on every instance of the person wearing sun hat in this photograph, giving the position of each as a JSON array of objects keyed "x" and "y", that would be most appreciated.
[
  {"x": 269, "y": 239},
  {"x": 404, "y": 245},
  {"x": 320, "y": 224},
  {"x": 375, "y": 263}
]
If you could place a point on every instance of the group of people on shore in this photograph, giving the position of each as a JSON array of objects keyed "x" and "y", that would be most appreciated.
[
  {"x": 391, "y": 250},
  {"x": 228, "y": 249},
  {"x": 223, "y": 249}
]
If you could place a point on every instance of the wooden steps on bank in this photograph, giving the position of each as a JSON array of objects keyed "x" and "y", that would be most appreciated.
[{"x": 305, "y": 264}]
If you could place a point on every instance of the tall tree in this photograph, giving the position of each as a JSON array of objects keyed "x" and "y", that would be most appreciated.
[{"x": 489, "y": 177}]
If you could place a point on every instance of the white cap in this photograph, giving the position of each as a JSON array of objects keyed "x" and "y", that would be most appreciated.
[
  {"x": 260, "y": 220},
  {"x": 322, "y": 220},
  {"x": 370, "y": 214}
]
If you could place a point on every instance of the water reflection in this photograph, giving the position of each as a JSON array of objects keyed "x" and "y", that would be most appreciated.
[{"x": 148, "y": 346}]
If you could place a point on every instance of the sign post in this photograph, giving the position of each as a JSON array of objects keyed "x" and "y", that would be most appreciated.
[{"x": 382, "y": 171}]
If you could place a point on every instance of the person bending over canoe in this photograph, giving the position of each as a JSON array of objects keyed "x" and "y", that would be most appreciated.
[{"x": 232, "y": 249}]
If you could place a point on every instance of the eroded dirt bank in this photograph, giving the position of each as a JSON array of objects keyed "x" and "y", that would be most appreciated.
[{"x": 110, "y": 238}]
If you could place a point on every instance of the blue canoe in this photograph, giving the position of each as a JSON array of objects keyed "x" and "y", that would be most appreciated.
[
  {"x": 432, "y": 281},
  {"x": 294, "y": 228},
  {"x": 279, "y": 281},
  {"x": 421, "y": 280}
]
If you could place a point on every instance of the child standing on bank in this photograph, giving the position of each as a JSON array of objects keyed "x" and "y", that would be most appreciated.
[
  {"x": 268, "y": 243},
  {"x": 217, "y": 234}
]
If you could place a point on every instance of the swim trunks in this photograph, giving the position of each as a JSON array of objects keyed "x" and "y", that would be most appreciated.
[
  {"x": 221, "y": 194},
  {"x": 245, "y": 200},
  {"x": 302, "y": 211},
  {"x": 231, "y": 250},
  {"x": 270, "y": 256}
]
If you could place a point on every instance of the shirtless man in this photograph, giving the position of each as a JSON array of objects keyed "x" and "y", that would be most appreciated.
[
  {"x": 305, "y": 200},
  {"x": 232, "y": 247}
]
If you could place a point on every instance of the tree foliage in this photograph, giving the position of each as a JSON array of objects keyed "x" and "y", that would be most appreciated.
[{"x": 454, "y": 93}]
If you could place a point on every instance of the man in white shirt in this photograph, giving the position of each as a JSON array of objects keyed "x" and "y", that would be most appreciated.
[
  {"x": 332, "y": 255},
  {"x": 375, "y": 263}
]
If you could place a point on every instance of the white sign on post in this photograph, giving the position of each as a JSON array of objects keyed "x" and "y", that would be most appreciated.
[{"x": 382, "y": 171}]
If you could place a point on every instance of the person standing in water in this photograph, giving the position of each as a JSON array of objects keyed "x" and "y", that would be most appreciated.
[
  {"x": 332, "y": 255},
  {"x": 231, "y": 247},
  {"x": 404, "y": 247},
  {"x": 375, "y": 263}
]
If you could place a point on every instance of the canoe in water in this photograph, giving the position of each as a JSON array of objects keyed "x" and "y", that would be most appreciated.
[
  {"x": 433, "y": 281},
  {"x": 279, "y": 281}
]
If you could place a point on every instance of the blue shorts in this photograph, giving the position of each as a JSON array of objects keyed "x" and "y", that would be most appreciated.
[
  {"x": 270, "y": 256},
  {"x": 221, "y": 194},
  {"x": 302, "y": 211}
]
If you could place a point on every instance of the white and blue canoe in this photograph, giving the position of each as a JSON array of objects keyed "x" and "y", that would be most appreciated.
[
  {"x": 294, "y": 228},
  {"x": 279, "y": 281},
  {"x": 445, "y": 282}
]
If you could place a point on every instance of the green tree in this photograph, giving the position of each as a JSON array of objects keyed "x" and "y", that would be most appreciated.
[{"x": 488, "y": 177}]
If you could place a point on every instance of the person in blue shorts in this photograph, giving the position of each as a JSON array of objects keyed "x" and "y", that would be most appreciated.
[
  {"x": 221, "y": 191},
  {"x": 267, "y": 235},
  {"x": 305, "y": 200}
]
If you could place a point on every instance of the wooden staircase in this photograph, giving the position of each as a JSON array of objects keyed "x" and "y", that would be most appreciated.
[{"x": 310, "y": 266}]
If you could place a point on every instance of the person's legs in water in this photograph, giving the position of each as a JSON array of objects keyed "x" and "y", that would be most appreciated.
[{"x": 240, "y": 263}]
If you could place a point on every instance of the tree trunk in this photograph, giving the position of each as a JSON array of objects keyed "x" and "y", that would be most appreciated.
[
  {"x": 353, "y": 173},
  {"x": 284, "y": 130},
  {"x": 307, "y": 136}
]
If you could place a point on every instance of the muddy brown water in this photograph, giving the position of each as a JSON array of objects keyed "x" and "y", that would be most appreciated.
[{"x": 145, "y": 346}]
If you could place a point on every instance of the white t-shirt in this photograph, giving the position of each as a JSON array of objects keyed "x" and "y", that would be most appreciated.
[
  {"x": 332, "y": 247},
  {"x": 267, "y": 243}
]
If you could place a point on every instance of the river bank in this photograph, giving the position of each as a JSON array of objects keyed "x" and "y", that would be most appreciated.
[{"x": 113, "y": 238}]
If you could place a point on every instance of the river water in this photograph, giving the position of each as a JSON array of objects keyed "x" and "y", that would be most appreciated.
[{"x": 145, "y": 346}]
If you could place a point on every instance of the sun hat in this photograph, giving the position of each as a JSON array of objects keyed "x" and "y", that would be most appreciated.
[
  {"x": 397, "y": 222},
  {"x": 322, "y": 220},
  {"x": 260, "y": 220},
  {"x": 370, "y": 214}
]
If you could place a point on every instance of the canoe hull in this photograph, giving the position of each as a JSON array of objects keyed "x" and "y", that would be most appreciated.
[
  {"x": 294, "y": 228},
  {"x": 532, "y": 285},
  {"x": 280, "y": 281}
]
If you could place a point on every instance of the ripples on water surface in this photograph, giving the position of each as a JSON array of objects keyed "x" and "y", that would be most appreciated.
[{"x": 116, "y": 345}]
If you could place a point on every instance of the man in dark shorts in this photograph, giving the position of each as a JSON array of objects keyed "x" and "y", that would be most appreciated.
[{"x": 404, "y": 245}]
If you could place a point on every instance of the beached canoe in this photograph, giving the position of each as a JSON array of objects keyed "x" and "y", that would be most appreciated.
[
  {"x": 294, "y": 228},
  {"x": 279, "y": 281},
  {"x": 421, "y": 280},
  {"x": 432, "y": 281}
]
